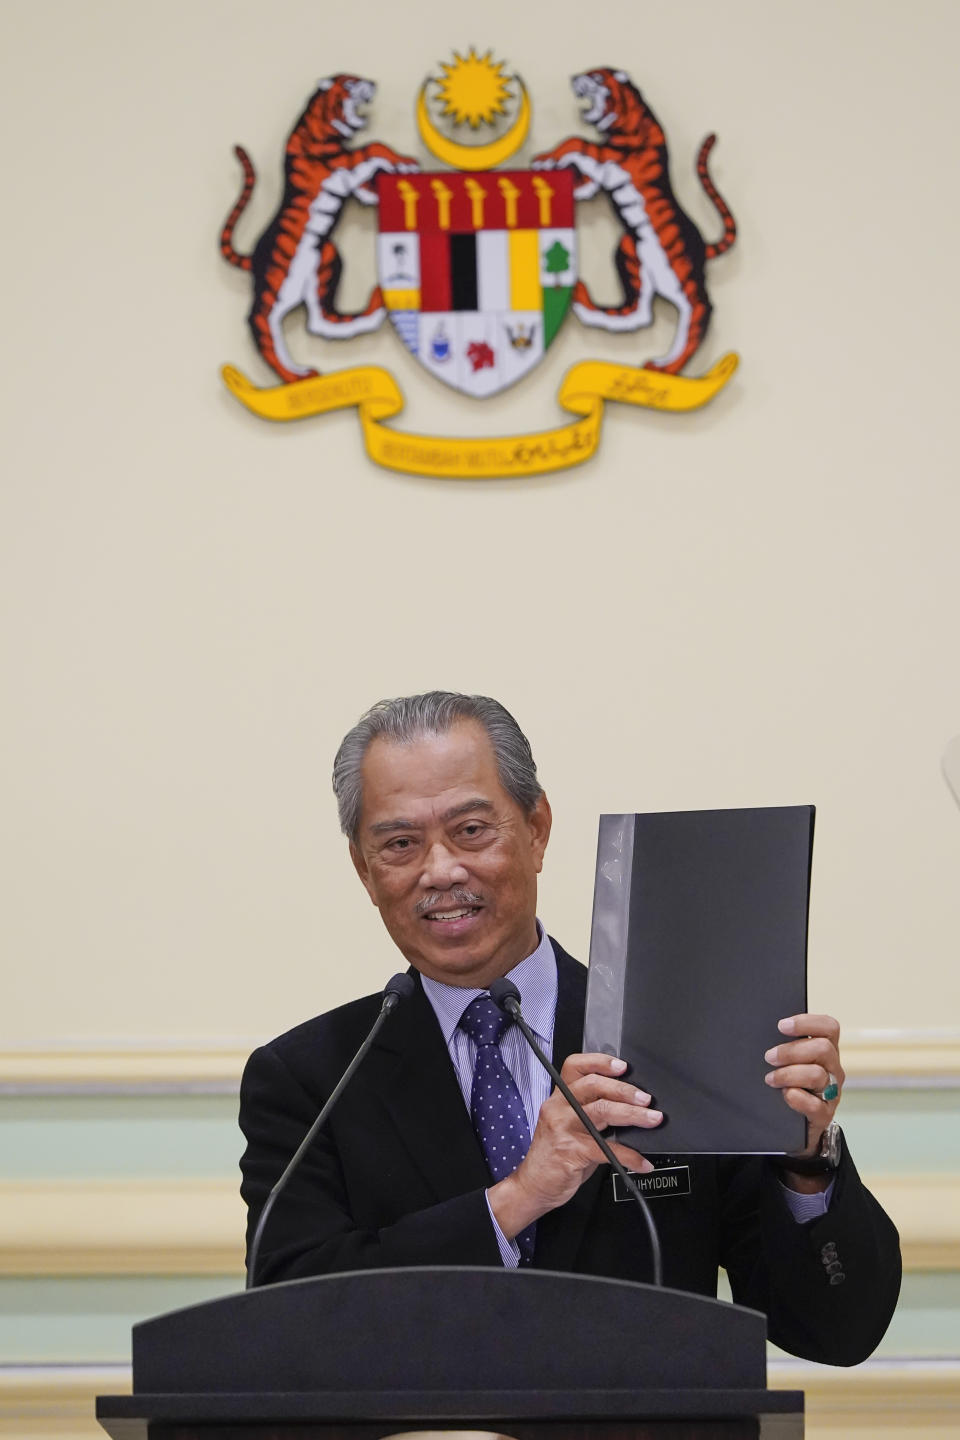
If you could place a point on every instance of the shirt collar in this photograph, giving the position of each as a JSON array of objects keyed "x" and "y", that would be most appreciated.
[{"x": 535, "y": 978}]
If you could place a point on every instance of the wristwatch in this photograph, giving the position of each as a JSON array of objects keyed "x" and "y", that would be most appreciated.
[{"x": 823, "y": 1163}]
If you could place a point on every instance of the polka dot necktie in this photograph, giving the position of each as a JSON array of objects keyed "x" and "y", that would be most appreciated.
[{"x": 496, "y": 1108}]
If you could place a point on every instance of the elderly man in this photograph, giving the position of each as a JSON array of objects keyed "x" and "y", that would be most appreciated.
[{"x": 448, "y": 1147}]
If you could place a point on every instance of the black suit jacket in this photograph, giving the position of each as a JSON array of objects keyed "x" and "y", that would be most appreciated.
[{"x": 399, "y": 1179}]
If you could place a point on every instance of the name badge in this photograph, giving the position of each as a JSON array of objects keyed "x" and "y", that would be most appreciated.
[{"x": 667, "y": 1180}]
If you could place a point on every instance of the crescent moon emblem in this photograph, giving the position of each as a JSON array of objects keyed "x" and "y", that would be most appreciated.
[{"x": 474, "y": 157}]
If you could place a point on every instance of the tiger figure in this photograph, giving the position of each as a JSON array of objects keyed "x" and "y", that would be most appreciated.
[
  {"x": 295, "y": 261},
  {"x": 661, "y": 251}
]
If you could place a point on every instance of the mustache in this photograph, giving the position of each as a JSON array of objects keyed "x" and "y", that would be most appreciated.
[{"x": 449, "y": 898}]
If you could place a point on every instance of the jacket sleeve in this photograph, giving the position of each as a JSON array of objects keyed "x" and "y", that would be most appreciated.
[
  {"x": 828, "y": 1287},
  {"x": 311, "y": 1229}
]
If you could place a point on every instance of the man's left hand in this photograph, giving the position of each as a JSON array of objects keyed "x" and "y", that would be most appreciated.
[{"x": 805, "y": 1068}]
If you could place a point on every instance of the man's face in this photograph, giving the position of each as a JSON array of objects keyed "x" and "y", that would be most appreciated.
[{"x": 448, "y": 858}]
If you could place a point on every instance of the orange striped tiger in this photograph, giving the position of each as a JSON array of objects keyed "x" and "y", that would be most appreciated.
[
  {"x": 661, "y": 252},
  {"x": 295, "y": 261}
]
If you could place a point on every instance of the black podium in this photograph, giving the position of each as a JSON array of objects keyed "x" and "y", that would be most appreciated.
[{"x": 531, "y": 1354}]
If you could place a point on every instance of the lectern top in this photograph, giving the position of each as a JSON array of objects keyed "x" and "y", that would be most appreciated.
[{"x": 450, "y": 1329}]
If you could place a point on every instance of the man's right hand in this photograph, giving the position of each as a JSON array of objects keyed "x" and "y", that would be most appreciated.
[{"x": 562, "y": 1155}]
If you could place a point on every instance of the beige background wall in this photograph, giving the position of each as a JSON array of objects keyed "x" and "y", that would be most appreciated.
[
  {"x": 754, "y": 604},
  {"x": 757, "y": 604}
]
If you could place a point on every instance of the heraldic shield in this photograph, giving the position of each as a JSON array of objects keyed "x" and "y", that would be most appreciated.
[{"x": 477, "y": 270}]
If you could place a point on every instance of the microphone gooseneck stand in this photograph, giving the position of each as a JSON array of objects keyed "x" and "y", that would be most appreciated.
[
  {"x": 505, "y": 994},
  {"x": 395, "y": 990}
]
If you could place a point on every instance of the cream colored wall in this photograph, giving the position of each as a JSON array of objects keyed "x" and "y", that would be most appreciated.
[{"x": 756, "y": 604}]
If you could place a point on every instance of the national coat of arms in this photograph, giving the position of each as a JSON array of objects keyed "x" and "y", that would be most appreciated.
[{"x": 477, "y": 263}]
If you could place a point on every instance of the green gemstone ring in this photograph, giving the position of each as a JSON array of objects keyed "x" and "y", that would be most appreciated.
[{"x": 832, "y": 1089}]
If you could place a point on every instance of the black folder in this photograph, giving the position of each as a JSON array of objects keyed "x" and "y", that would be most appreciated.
[{"x": 698, "y": 948}]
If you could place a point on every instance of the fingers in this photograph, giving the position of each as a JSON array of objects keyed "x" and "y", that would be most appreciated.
[
  {"x": 576, "y": 1066},
  {"x": 818, "y": 1057},
  {"x": 818, "y": 1112},
  {"x": 611, "y": 1102},
  {"x": 608, "y": 1102},
  {"x": 607, "y": 1113},
  {"x": 631, "y": 1159},
  {"x": 803, "y": 1077},
  {"x": 806, "y": 1066},
  {"x": 592, "y": 1075},
  {"x": 820, "y": 1025},
  {"x": 597, "y": 1087},
  {"x": 815, "y": 1051}
]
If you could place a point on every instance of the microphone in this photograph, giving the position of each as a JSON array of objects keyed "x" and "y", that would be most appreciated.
[
  {"x": 401, "y": 987},
  {"x": 505, "y": 994}
]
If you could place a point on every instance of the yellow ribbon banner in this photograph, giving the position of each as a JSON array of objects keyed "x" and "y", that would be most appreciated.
[{"x": 585, "y": 389}]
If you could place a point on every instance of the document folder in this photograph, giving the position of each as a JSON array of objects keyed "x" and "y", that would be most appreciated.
[{"x": 698, "y": 948}]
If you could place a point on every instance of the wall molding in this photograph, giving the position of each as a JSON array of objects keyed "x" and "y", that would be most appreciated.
[
  {"x": 930, "y": 1057},
  {"x": 895, "y": 1055},
  {"x": 890, "y": 1397},
  {"x": 135, "y": 1068},
  {"x": 196, "y": 1227},
  {"x": 56, "y": 1402},
  {"x": 926, "y": 1211},
  {"x": 122, "y": 1227}
]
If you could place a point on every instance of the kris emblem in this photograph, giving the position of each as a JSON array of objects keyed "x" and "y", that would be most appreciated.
[{"x": 477, "y": 263}]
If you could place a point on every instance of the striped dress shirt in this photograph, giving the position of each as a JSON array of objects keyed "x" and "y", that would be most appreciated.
[{"x": 536, "y": 979}]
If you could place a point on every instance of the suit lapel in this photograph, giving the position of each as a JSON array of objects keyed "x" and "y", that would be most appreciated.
[
  {"x": 560, "y": 1232},
  {"x": 414, "y": 1077},
  {"x": 571, "y": 999}
]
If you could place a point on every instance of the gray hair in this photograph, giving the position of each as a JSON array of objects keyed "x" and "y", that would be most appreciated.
[{"x": 413, "y": 716}]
